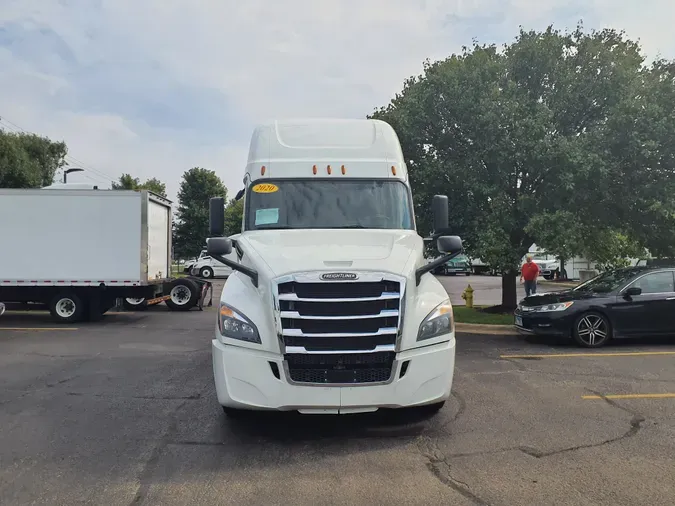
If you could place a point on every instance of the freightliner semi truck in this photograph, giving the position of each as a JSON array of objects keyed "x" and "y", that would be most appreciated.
[{"x": 331, "y": 307}]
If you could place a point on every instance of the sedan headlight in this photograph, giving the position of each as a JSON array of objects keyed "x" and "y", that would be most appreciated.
[
  {"x": 440, "y": 321},
  {"x": 233, "y": 324},
  {"x": 547, "y": 308}
]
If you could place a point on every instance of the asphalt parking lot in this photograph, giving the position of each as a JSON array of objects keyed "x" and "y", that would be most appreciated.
[{"x": 124, "y": 412}]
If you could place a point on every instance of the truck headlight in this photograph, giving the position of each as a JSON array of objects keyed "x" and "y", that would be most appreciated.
[
  {"x": 440, "y": 321},
  {"x": 233, "y": 324}
]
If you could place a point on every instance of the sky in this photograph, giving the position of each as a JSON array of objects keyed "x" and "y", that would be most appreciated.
[{"x": 155, "y": 87}]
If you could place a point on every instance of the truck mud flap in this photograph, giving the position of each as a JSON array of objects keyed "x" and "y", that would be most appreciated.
[{"x": 205, "y": 289}]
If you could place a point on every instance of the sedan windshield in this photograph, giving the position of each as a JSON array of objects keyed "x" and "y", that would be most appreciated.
[
  {"x": 608, "y": 281},
  {"x": 321, "y": 203}
]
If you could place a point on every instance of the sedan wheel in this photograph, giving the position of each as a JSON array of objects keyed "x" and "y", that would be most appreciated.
[{"x": 592, "y": 330}]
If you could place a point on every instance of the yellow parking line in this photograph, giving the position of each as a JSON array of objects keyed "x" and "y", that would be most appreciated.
[
  {"x": 629, "y": 396},
  {"x": 574, "y": 355},
  {"x": 39, "y": 328}
]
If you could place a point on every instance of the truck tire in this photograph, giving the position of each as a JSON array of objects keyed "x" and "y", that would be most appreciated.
[
  {"x": 184, "y": 295},
  {"x": 135, "y": 304},
  {"x": 66, "y": 307},
  {"x": 206, "y": 272}
]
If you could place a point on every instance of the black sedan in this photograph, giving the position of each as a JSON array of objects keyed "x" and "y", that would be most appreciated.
[{"x": 630, "y": 302}]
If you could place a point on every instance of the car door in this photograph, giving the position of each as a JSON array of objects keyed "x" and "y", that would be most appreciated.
[{"x": 651, "y": 312}]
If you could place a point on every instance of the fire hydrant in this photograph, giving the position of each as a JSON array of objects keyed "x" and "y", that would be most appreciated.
[{"x": 467, "y": 295}]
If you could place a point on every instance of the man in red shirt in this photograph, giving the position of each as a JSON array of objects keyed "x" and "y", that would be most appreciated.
[{"x": 529, "y": 273}]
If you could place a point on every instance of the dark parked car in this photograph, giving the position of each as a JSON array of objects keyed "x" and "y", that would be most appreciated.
[
  {"x": 630, "y": 302},
  {"x": 458, "y": 265}
]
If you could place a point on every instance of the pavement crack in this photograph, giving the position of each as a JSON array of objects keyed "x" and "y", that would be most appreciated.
[
  {"x": 144, "y": 478},
  {"x": 635, "y": 425},
  {"x": 60, "y": 382},
  {"x": 440, "y": 468},
  {"x": 192, "y": 397},
  {"x": 518, "y": 365}
]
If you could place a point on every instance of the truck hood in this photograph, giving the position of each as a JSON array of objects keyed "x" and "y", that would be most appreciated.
[{"x": 287, "y": 251}]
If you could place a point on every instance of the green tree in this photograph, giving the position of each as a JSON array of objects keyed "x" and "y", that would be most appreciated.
[
  {"x": 127, "y": 182},
  {"x": 28, "y": 160},
  {"x": 233, "y": 216},
  {"x": 534, "y": 134},
  {"x": 192, "y": 217}
]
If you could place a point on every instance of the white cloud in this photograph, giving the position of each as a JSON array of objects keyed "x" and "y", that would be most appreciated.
[{"x": 154, "y": 87}]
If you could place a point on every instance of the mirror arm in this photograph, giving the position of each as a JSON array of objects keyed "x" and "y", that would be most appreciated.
[
  {"x": 432, "y": 265},
  {"x": 238, "y": 267}
]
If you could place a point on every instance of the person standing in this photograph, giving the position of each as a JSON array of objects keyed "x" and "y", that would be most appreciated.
[{"x": 528, "y": 274}]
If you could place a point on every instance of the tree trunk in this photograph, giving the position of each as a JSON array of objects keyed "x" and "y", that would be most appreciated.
[{"x": 509, "y": 295}]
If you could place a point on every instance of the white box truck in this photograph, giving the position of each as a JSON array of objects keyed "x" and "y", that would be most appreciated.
[
  {"x": 331, "y": 307},
  {"x": 78, "y": 250}
]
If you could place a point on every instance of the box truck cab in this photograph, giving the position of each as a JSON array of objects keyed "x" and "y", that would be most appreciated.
[{"x": 331, "y": 308}]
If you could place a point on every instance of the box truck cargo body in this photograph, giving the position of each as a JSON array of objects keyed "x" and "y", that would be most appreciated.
[{"x": 93, "y": 245}]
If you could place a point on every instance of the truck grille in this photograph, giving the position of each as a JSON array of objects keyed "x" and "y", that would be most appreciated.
[
  {"x": 325, "y": 318},
  {"x": 340, "y": 368}
]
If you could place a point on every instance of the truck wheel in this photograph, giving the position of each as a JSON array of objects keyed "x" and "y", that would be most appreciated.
[
  {"x": 206, "y": 272},
  {"x": 184, "y": 295},
  {"x": 66, "y": 307},
  {"x": 135, "y": 304}
]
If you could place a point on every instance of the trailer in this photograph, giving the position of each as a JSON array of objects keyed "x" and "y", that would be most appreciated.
[{"x": 78, "y": 251}]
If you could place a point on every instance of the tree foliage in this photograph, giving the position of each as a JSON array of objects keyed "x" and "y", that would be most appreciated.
[
  {"x": 559, "y": 139},
  {"x": 28, "y": 160},
  {"x": 127, "y": 182},
  {"x": 192, "y": 217},
  {"x": 233, "y": 217}
]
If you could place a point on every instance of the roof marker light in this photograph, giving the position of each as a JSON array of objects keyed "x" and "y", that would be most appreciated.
[
  {"x": 344, "y": 171},
  {"x": 393, "y": 170},
  {"x": 328, "y": 169},
  {"x": 262, "y": 170},
  {"x": 314, "y": 169}
]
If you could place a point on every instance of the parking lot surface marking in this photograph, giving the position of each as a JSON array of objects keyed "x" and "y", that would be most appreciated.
[
  {"x": 574, "y": 355},
  {"x": 629, "y": 396}
]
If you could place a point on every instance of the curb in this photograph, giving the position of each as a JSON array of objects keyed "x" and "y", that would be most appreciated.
[{"x": 493, "y": 330}]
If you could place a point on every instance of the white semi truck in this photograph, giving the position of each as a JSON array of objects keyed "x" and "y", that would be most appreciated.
[
  {"x": 76, "y": 251},
  {"x": 331, "y": 307}
]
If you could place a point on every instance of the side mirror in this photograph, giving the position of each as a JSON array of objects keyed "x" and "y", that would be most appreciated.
[
  {"x": 632, "y": 291},
  {"x": 240, "y": 194},
  {"x": 218, "y": 246},
  {"x": 216, "y": 217},
  {"x": 448, "y": 244},
  {"x": 439, "y": 207}
]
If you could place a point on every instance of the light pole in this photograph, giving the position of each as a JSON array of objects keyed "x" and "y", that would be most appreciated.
[{"x": 68, "y": 171}]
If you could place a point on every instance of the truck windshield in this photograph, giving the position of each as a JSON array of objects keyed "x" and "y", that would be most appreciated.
[{"x": 320, "y": 203}]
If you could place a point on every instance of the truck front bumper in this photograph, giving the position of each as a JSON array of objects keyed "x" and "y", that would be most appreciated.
[{"x": 246, "y": 379}]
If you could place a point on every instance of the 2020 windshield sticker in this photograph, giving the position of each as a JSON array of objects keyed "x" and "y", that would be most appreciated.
[
  {"x": 265, "y": 188},
  {"x": 267, "y": 216}
]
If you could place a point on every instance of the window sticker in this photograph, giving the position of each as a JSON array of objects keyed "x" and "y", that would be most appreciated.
[
  {"x": 265, "y": 188},
  {"x": 267, "y": 216}
]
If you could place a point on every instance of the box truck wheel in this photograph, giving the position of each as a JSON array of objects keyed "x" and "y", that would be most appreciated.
[
  {"x": 135, "y": 304},
  {"x": 66, "y": 307},
  {"x": 184, "y": 295}
]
